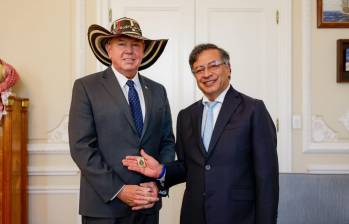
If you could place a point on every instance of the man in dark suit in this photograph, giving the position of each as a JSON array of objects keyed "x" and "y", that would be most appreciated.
[
  {"x": 115, "y": 113},
  {"x": 226, "y": 148}
]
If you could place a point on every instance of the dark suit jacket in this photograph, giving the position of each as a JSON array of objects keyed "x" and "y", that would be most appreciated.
[
  {"x": 237, "y": 180},
  {"x": 102, "y": 132}
]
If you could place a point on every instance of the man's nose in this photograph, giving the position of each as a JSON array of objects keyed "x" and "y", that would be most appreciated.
[
  {"x": 207, "y": 72},
  {"x": 128, "y": 49}
]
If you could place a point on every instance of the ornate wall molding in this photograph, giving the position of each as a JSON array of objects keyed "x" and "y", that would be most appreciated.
[
  {"x": 345, "y": 120},
  {"x": 60, "y": 133},
  {"x": 320, "y": 131},
  {"x": 309, "y": 145}
]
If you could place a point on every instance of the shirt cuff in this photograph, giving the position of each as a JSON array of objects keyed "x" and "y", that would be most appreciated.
[
  {"x": 117, "y": 193},
  {"x": 162, "y": 177}
]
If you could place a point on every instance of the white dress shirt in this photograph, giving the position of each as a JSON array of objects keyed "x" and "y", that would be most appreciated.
[
  {"x": 216, "y": 109},
  {"x": 122, "y": 81}
]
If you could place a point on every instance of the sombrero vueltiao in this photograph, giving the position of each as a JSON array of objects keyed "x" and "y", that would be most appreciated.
[{"x": 99, "y": 36}]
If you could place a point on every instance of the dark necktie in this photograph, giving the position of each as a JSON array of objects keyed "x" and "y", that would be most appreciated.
[{"x": 135, "y": 105}]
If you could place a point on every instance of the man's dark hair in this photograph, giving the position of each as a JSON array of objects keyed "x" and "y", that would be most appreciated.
[{"x": 198, "y": 49}]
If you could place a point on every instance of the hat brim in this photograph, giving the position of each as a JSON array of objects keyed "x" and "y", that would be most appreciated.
[{"x": 98, "y": 36}]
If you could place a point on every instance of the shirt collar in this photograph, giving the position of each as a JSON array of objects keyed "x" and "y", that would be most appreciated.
[
  {"x": 122, "y": 79},
  {"x": 219, "y": 99}
]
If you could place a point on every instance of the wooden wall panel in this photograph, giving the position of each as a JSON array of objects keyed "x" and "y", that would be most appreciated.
[{"x": 13, "y": 158}]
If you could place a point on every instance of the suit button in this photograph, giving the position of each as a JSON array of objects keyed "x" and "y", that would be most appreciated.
[
  {"x": 204, "y": 194},
  {"x": 208, "y": 167}
]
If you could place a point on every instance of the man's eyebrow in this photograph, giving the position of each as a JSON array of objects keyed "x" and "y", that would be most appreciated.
[{"x": 206, "y": 64}]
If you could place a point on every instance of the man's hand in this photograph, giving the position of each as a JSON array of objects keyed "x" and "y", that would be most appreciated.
[
  {"x": 138, "y": 196},
  {"x": 154, "y": 193},
  {"x": 152, "y": 167}
]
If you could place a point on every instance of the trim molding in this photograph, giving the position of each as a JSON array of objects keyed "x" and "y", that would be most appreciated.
[
  {"x": 48, "y": 148},
  {"x": 64, "y": 189},
  {"x": 328, "y": 169},
  {"x": 102, "y": 11},
  {"x": 308, "y": 145},
  {"x": 53, "y": 171},
  {"x": 80, "y": 39},
  {"x": 57, "y": 190},
  {"x": 285, "y": 88}
]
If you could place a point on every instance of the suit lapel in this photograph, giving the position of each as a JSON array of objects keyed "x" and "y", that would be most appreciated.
[
  {"x": 148, "y": 102},
  {"x": 196, "y": 118},
  {"x": 112, "y": 86},
  {"x": 230, "y": 103}
]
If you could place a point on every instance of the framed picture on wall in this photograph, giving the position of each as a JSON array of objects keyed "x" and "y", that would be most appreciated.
[
  {"x": 343, "y": 60},
  {"x": 333, "y": 13}
]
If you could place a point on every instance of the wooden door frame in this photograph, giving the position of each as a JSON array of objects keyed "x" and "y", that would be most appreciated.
[{"x": 285, "y": 86}]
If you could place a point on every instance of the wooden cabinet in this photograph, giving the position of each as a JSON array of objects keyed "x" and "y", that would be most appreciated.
[{"x": 13, "y": 162}]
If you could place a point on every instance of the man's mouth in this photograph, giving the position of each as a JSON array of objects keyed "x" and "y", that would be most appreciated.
[
  {"x": 128, "y": 59},
  {"x": 209, "y": 82}
]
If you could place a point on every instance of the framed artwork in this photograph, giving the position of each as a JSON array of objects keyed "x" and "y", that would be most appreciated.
[
  {"x": 333, "y": 13},
  {"x": 343, "y": 60}
]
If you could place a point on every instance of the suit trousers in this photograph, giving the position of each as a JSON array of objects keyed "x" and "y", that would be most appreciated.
[{"x": 134, "y": 218}]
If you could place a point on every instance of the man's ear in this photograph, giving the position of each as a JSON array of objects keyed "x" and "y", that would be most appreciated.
[
  {"x": 107, "y": 48},
  {"x": 143, "y": 46}
]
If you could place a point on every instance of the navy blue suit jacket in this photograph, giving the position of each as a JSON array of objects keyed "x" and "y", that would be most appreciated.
[{"x": 236, "y": 181}]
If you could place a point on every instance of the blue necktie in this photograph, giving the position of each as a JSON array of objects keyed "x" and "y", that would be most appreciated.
[
  {"x": 135, "y": 105},
  {"x": 208, "y": 125}
]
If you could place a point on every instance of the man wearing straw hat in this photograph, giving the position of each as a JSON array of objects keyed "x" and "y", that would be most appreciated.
[{"x": 115, "y": 113}]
